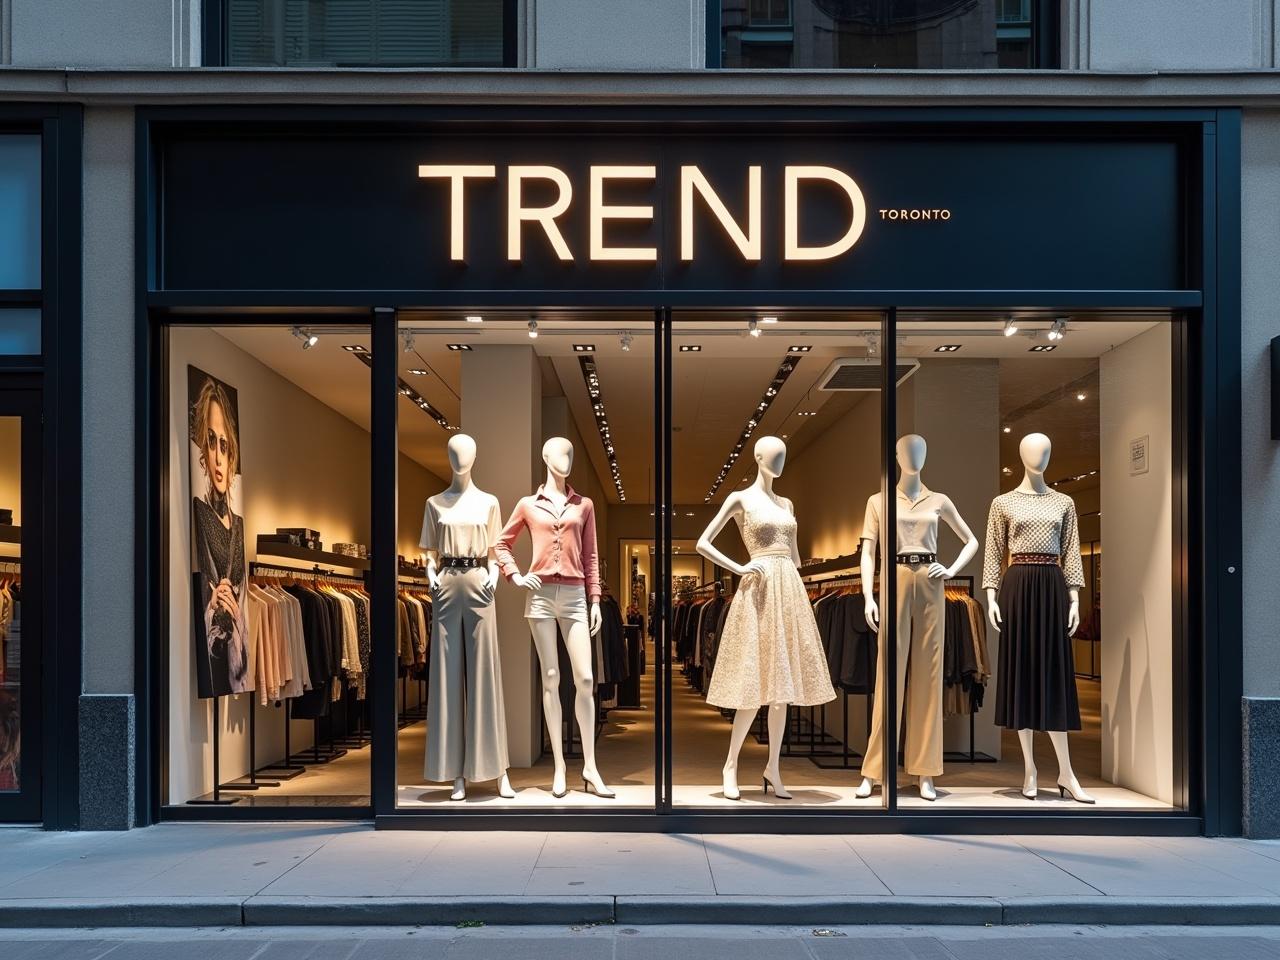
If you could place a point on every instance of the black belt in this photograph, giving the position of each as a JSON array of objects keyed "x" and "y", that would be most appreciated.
[
  {"x": 912, "y": 558},
  {"x": 461, "y": 561}
]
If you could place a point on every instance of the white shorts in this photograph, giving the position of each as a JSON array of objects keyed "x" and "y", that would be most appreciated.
[{"x": 557, "y": 601}]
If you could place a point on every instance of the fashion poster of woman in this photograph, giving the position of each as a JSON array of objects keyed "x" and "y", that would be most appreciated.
[{"x": 219, "y": 571}]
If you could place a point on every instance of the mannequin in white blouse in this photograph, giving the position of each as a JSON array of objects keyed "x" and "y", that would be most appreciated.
[
  {"x": 911, "y": 453},
  {"x": 1035, "y": 451},
  {"x": 462, "y": 496}
]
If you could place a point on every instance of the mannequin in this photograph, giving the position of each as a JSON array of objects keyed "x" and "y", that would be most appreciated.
[
  {"x": 756, "y": 628},
  {"x": 1037, "y": 526},
  {"x": 564, "y": 576},
  {"x": 459, "y": 528},
  {"x": 920, "y": 616}
]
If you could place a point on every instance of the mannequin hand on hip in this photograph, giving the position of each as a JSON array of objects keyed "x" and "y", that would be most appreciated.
[
  {"x": 872, "y": 613},
  {"x": 752, "y": 566},
  {"x": 491, "y": 580},
  {"x": 937, "y": 570},
  {"x": 594, "y": 620},
  {"x": 529, "y": 581},
  {"x": 1073, "y": 618},
  {"x": 433, "y": 579}
]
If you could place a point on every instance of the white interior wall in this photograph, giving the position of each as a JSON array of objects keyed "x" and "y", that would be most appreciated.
[
  {"x": 302, "y": 465},
  {"x": 1137, "y": 589}
]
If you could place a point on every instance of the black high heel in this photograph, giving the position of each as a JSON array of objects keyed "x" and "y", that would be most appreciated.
[
  {"x": 589, "y": 787},
  {"x": 765, "y": 781}
]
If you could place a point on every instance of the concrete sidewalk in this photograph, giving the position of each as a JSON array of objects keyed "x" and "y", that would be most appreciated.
[{"x": 201, "y": 875}]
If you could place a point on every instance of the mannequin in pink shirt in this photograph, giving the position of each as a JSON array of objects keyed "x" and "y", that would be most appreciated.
[{"x": 563, "y": 577}]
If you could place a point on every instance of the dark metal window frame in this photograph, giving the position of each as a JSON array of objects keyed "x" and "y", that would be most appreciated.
[
  {"x": 1207, "y": 615},
  {"x": 1046, "y": 35},
  {"x": 53, "y": 379},
  {"x": 215, "y": 27}
]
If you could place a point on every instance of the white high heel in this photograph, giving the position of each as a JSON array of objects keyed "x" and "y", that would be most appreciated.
[
  {"x": 459, "y": 789},
  {"x": 1077, "y": 792},
  {"x": 505, "y": 789},
  {"x": 864, "y": 789},
  {"x": 593, "y": 781},
  {"x": 927, "y": 790},
  {"x": 730, "y": 780},
  {"x": 1029, "y": 788}
]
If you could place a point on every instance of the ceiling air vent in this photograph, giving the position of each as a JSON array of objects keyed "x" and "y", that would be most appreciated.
[{"x": 861, "y": 373}]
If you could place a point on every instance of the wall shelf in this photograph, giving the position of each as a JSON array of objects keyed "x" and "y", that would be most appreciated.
[{"x": 270, "y": 548}]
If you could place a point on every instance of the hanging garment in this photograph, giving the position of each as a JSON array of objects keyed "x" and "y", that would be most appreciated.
[{"x": 769, "y": 651}]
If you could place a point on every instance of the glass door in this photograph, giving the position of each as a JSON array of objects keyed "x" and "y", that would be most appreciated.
[{"x": 20, "y": 711}]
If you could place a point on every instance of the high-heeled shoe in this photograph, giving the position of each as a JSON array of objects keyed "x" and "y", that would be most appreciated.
[
  {"x": 1081, "y": 797},
  {"x": 729, "y": 785},
  {"x": 564, "y": 787},
  {"x": 600, "y": 789},
  {"x": 779, "y": 792},
  {"x": 1029, "y": 788}
]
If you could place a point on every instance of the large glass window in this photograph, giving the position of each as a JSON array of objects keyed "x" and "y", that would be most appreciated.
[
  {"x": 364, "y": 33},
  {"x": 268, "y": 499},
  {"x": 10, "y": 604},
  {"x": 776, "y": 427},
  {"x": 526, "y": 491},
  {"x": 19, "y": 212},
  {"x": 885, "y": 34},
  {"x": 1037, "y": 677}
]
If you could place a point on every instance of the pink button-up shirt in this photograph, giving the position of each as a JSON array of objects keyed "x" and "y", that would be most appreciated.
[{"x": 564, "y": 541}]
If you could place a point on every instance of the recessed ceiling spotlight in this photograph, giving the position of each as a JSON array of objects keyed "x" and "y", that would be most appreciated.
[
  {"x": 1007, "y": 430},
  {"x": 474, "y": 318},
  {"x": 807, "y": 413},
  {"x": 584, "y": 348},
  {"x": 1043, "y": 348},
  {"x": 768, "y": 319},
  {"x": 947, "y": 348},
  {"x": 459, "y": 346},
  {"x": 800, "y": 348},
  {"x": 1006, "y": 471},
  {"x": 1010, "y": 327},
  {"x": 688, "y": 513},
  {"x": 1080, "y": 396},
  {"x": 690, "y": 348},
  {"x": 308, "y": 338},
  {"x": 533, "y": 329},
  {"x": 1058, "y": 330},
  {"x": 418, "y": 372},
  {"x": 753, "y": 328},
  {"x": 354, "y": 348}
]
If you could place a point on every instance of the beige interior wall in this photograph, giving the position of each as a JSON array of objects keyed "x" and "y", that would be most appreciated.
[
  {"x": 302, "y": 464},
  {"x": 1137, "y": 589},
  {"x": 11, "y": 466}
]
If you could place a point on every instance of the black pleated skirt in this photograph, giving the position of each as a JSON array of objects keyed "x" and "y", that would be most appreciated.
[{"x": 1036, "y": 677}]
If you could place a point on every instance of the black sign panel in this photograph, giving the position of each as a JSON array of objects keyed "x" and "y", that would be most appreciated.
[{"x": 939, "y": 213}]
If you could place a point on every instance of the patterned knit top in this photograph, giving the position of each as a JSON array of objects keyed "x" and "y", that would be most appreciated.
[{"x": 1032, "y": 523}]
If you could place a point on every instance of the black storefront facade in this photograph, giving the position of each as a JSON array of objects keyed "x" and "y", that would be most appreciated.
[{"x": 343, "y": 218}]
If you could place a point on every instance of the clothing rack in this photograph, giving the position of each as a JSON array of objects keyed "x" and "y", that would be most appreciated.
[
  {"x": 412, "y": 576},
  {"x": 845, "y": 757},
  {"x": 973, "y": 756}
]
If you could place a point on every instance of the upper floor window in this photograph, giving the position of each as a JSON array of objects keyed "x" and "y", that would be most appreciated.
[
  {"x": 359, "y": 33},
  {"x": 888, "y": 34}
]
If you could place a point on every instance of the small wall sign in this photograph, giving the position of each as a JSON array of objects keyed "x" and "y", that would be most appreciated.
[{"x": 1139, "y": 455}]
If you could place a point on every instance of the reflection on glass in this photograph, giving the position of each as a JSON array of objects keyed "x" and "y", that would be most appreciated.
[
  {"x": 19, "y": 332},
  {"x": 884, "y": 34},
  {"x": 19, "y": 213},
  {"x": 1049, "y": 435},
  {"x": 776, "y": 421},
  {"x": 10, "y": 603},
  {"x": 532, "y": 498},
  {"x": 364, "y": 33}
]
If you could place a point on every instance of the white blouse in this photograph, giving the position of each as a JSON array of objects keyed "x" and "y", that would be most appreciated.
[{"x": 466, "y": 527}]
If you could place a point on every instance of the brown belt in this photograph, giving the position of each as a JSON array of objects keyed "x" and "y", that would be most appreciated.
[{"x": 1041, "y": 559}]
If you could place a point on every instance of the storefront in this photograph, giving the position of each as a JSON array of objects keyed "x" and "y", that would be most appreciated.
[{"x": 677, "y": 309}]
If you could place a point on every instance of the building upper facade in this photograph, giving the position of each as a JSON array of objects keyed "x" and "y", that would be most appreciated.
[{"x": 1103, "y": 36}]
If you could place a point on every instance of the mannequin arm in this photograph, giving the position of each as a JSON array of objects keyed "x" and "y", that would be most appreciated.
[
  {"x": 595, "y": 621},
  {"x": 993, "y": 609},
  {"x": 433, "y": 564},
  {"x": 707, "y": 549},
  {"x": 867, "y": 567},
  {"x": 1073, "y": 612},
  {"x": 795, "y": 543},
  {"x": 491, "y": 581},
  {"x": 961, "y": 529}
]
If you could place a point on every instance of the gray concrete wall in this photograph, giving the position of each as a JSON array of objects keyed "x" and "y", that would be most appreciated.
[
  {"x": 615, "y": 34},
  {"x": 1142, "y": 35},
  {"x": 103, "y": 33},
  {"x": 108, "y": 402}
]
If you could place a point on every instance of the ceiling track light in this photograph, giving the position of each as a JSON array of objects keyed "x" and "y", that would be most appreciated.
[
  {"x": 407, "y": 339},
  {"x": 533, "y": 329},
  {"x": 591, "y": 377},
  {"x": 768, "y": 319},
  {"x": 475, "y": 318},
  {"x": 771, "y": 392},
  {"x": 625, "y": 341},
  {"x": 690, "y": 348},
  {"x": 308, "y": 338},
  {"x": 408, "y": 392},
  {"x": 1058, "y": 330},
  {"x": 753, "y": 328},
  {"x": 1010, "y": 327}
]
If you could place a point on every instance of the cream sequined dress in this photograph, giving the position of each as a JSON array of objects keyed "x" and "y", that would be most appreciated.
[{"x": 770, "y": 651}]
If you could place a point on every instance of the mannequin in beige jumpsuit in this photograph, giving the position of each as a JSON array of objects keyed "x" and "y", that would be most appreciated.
[{"x": 920, "y": 618}]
